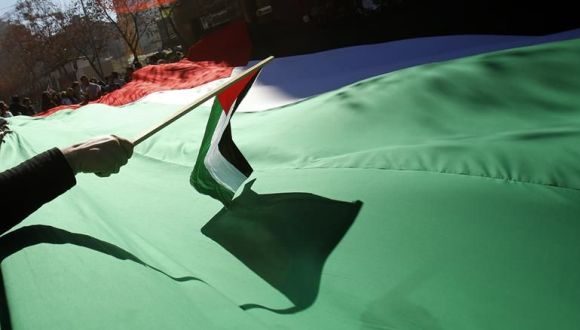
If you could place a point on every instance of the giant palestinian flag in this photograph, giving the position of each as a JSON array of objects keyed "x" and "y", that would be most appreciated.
[
  {"x": 428, "y": 183},
  {"x": 221, "y": 168}
]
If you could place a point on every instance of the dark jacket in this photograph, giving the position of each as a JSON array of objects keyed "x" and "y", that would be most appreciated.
[{"x": 26, "y": 187}]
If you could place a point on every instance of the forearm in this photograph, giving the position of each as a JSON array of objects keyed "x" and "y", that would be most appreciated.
[{"x": 26, "y": 187}]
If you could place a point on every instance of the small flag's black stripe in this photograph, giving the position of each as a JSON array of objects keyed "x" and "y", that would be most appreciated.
[
  {"x": 226, "y": 146},
  {"x": 230, "y": 151}
]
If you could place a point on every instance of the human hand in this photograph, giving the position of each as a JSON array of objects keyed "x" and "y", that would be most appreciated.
[{"x": 102, "y": 156}]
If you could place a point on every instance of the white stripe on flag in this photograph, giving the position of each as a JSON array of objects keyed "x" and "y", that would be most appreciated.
[
  {"x": 287, "y": 80},
  {"x": 221, "y": 170}
]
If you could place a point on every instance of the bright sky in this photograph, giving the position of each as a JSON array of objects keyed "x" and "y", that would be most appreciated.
[{"x": 8, "y": 5}]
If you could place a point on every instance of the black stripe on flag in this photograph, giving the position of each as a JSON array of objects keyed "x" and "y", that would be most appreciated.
[{"x": 227, "y": 147}]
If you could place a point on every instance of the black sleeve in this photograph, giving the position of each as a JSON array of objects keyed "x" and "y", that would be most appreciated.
[{"x": 26, "y": 187}]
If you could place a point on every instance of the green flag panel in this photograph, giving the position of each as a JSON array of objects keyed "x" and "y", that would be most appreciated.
[{"x": 444, "y": 196}]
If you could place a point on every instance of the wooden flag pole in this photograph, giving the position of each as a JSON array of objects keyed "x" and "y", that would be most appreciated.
[{"x": 187, "y": 108}]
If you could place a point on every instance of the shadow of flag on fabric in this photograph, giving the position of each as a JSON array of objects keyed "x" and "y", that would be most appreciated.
[
  {"x": 220, "y": 168},
  {"x": 284, "y": 238}
]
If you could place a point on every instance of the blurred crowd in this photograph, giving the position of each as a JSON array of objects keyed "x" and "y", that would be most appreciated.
[
  {"x": 79, "y": 92},
  {"x": 83, "y": 90}
]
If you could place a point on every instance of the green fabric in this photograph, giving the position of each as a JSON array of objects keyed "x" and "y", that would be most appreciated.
[
  {"x": 200, "y": 177},
  {"x": 467, "y": 173}
]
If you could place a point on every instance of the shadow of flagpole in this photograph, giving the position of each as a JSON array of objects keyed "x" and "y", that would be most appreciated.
[{"x": 24, "y": 237}]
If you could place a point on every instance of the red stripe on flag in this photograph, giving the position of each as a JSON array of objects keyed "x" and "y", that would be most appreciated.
[
  {"x": 155, "y": 78},
  {"x": 211, "y": 58},
  {"x": 228, "y": 96}
]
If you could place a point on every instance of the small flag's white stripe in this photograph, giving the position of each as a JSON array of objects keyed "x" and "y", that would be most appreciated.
[
  {"x": 221, "y": 170},
  {"x": 220, "y": 127}
]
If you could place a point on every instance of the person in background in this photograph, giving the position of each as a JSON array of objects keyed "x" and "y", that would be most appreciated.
[
  {"x": 91, "y": 90},
  {"x": 116, "y": 80},
  {"x": 77, "y": 92},
  {"x": 129, "y": 74},
  {"x": 137, "y": 65},
  {"x": 27, "y": 103},
  {"x": 55, "y": 98},
  {"x": 64, "y": 99},
  {"x": 71, "y": 96},
  {"x": 4, "y": 112},
  {"x": 16, "y": 107},
  {"x": 46, "y": 102},
  {"x": 44, "y": 177},
  {"x": 179, "y": 56}
]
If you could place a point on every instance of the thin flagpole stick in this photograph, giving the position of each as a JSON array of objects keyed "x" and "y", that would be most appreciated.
[{"x": 187, "y": 108}]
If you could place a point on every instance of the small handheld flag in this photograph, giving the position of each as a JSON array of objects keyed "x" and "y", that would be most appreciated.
[{"x": 221, "y": 168}]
